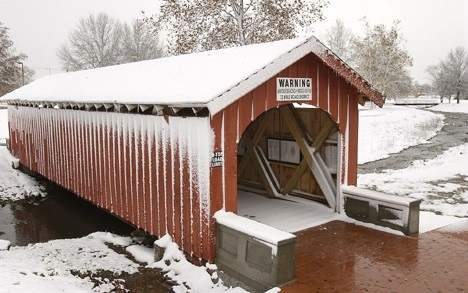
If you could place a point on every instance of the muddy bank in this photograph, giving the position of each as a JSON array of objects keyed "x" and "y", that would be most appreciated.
[{"x": 454, "y": 133}]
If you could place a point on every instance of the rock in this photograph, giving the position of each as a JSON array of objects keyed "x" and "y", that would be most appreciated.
[
  {"x": 158, "y": 252},
  {"x": 15, "y": 163}
]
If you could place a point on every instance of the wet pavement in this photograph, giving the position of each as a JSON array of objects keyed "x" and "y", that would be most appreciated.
[
  {"x": 454, "y": 133},
  {"x": 343, "y": 257}
]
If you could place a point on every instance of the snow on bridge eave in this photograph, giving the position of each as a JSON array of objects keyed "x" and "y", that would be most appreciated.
[
  {"x": 310, "y": 45},
  {"x": 185, "y": 109}
]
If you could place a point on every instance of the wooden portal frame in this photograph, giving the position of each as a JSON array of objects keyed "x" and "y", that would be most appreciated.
[
  {"x": 311, "y": 157},
  {"x": 332, "y": 94}
]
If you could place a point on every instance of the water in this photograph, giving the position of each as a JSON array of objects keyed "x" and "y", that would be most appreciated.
[{"x": 58, "y": 216}]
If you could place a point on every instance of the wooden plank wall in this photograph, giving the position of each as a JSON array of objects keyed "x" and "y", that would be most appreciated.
[
  {"x": 330, "y": 92},
  {"x": 150, "y": 173},
  {"x": 313, "y": 120}
]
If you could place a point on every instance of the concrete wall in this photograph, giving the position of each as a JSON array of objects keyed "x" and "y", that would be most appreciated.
[{"x": 257, "y": 263}]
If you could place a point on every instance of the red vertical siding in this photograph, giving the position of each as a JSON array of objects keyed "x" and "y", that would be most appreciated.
[
  {"x": 353, "y": 138},
  {"x": 122, "y": 163},
  {"x": 230, "y": 155}
]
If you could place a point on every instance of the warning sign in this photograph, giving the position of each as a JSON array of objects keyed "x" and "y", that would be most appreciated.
[
  {"x": 217, "y": 159},
  {"x": 293, "y": 89}
]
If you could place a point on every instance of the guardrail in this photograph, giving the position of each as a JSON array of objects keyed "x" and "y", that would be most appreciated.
[
  {"x": 383, "y": 209},
  {"x": 259, "y": 255}
]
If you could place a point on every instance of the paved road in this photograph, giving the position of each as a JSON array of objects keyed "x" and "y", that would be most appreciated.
[
  {"x": 342, "y": 257},
  {"x": 454, "y": 133}
]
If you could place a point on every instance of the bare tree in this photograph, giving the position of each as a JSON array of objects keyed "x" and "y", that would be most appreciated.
[
  {"x": 339, "y": 40},
  {"x": 455, "y": 67},
  {"x": 449, "y": 76},
  {"x": 439, "y": 81},
  {"x": 11, "y": 64},
  {"x": 200, "y": 25},
  {"x": 381, "y": 57},
  {"x": 140, "y": 42},
  {"x": 96, "y": 42}
]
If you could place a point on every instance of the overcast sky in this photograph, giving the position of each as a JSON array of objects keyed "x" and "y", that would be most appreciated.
[{"x": 431, "y": 27}]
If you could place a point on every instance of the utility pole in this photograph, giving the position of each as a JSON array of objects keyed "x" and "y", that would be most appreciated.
[{"x": 22, "y": 70}]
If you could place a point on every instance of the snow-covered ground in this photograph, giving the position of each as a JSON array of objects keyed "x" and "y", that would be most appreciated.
[
  {"x": 14, "y": 184},
  {"x": 392, "y": 129},
  {"x": 453, "y": 107},
  {"x": 53, "y": 266},
  {"x": 65, "y": 266},
  {"x": 428, "y": 180}
]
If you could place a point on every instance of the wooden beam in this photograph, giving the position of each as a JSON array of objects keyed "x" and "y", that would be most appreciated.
[
  {"x": 313, "y": 158},
  {"x": 317, "y": 144},
  {"x": 323, "y": 135},
  {"x": 268, "y": 176},
  {"x": 295, "y": 177},
  {"x": 256, "y": 138}
]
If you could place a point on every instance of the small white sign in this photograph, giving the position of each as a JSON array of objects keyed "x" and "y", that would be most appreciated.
[
  {"x": 217, "y": 159},
  {"x": 293, "y": 89}
]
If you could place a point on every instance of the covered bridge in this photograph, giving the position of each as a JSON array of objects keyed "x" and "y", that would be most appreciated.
[{"x": 164, "y": 144}]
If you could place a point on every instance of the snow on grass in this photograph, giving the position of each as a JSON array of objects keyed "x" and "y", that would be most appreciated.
[
  {"x": 422, "y": 180},
  {"x": 48, "y": 267},
  {"x": 392, "y": 129},
  {"x": 14, "y": 184},
  {"x": 189, "y": 277},
  {"x": 453, "y": 107}
]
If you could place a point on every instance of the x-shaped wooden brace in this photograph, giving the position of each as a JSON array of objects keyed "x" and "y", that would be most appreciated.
[
  {"x": 312, "y": 157},
  {"x": 255, "y": 152},
  {"x": 302, "y": 167}
]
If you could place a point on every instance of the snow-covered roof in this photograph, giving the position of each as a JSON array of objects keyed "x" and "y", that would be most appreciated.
[{"x": 212, "y": 79}]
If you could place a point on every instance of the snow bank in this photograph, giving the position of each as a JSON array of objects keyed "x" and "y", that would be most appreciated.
[
  {"x": 14, "y": 184},
  {"x": 189, "y": 277},
  {"x": 422, "y": 180},
  {"x": 4, "y": 244},
  {"x": 392, "y": 129},
  {"x": 452, "y": 108},
  {"x": 48, "y": 267}
]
